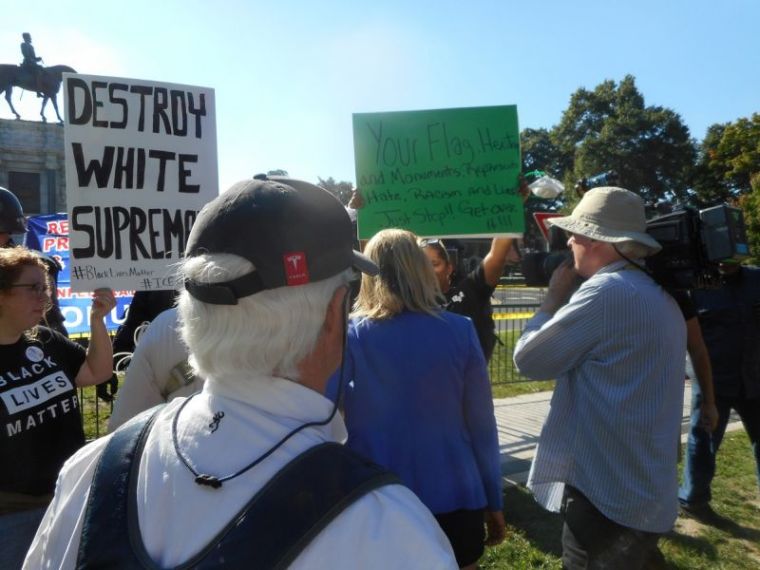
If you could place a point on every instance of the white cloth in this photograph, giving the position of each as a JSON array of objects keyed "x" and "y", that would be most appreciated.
[
  {"x": 387, "y": 528},
  {"x": 158, "y": 352},
  {"x": 617, "y": 351}
]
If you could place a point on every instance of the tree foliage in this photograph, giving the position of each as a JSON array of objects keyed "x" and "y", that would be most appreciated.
[
  {"x": 341, "y": 190},
  {"x": 611, "y": 128},
  {"x": 729, "y": 159}
]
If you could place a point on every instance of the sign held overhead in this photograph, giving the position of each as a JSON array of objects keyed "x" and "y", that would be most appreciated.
[{"x": 140, "y": 163}]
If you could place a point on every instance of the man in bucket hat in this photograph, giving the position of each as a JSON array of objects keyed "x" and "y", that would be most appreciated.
[
  {"x": 608, "y": 450},
  {"x": 246, "y": 473}
]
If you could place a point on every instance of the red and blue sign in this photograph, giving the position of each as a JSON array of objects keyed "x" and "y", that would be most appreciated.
[{"x": 49, "y": 234}]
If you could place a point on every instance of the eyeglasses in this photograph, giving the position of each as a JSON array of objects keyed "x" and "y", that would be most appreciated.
[
  {"x": 432, "y": 241},
  {"x": 34, "y": 288}
]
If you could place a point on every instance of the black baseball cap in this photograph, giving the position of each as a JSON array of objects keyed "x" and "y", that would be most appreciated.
[{"x": 293, "y": 233}]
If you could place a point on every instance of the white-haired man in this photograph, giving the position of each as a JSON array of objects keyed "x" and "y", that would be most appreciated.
[
  {"x": 246, "y": 474},
  {"x": 608, "y": 449}
]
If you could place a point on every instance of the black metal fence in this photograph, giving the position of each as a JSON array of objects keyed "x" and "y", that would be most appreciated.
[{"x": 509, "y": 320}]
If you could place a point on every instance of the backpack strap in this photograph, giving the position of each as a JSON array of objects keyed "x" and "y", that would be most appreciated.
[
  {"x": 293, "y": 508},
  {"x": 105, "y": 542},
  {"x": 270, "y": 531}
]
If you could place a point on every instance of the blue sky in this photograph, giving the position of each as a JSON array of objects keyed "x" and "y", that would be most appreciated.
[{"x": 289, "y": 74}]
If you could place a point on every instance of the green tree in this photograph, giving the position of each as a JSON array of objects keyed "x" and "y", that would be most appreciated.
[
  {"x": 729, "y": 159},
  {"x": 750, "y": 205},
  {"x": 728, "y": 170},
  {"x": 710, "y": 184},
  {"x": 341, "y": 190},
  {"x": 611, "y": 128},
  {"x": 539, "y": 152}
]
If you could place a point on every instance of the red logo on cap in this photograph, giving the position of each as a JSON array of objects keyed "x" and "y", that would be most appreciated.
[{"x": 296, "y": 270}]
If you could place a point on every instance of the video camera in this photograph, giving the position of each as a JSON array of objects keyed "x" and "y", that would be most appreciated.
[{"x": 693, "y": 243}]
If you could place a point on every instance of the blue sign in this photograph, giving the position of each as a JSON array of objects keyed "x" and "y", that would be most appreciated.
[{"x": 49, "y": 234}]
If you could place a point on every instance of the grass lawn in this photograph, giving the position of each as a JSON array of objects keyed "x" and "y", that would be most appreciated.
[
  {"x": 534, "y": 534},
  {"x": 95, "y": 413}
]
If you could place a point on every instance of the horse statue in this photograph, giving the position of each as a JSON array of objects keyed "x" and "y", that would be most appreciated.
[{"x": 49, "y": 84}]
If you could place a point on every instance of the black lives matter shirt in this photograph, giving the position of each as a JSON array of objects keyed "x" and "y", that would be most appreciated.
[
  {"x": 39, "y": 411},
  {"x": 470, "y": 296}
]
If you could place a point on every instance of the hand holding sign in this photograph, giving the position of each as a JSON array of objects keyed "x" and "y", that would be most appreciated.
[
  {"x": 103, "y": 301},
  {"x": 140, "y": 164}
]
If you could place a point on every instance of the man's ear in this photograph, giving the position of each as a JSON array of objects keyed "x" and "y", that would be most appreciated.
[{"x": 334, "y": 319}]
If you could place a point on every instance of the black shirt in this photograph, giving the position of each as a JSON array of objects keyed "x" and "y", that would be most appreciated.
[
  {"x": 39, "y": 411},
  {"x": 688, "y": 310},
  {"x": 470, "y": 296}
]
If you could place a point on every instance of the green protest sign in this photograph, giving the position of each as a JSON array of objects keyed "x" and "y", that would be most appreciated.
[{"x": 444, "y": 173}]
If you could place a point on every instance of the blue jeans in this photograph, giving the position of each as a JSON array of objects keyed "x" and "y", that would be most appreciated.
[
  {"x": 702, "y": 447},
  {"x": 17, "y": 531}
]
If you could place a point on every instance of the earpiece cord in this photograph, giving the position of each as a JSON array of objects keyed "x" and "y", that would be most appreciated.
[{"x": 216, "y": 482}]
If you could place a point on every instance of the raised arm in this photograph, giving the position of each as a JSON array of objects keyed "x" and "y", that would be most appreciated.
[
  {"x": 98, "y": 365},
  {"x": 496, "y": 259}
]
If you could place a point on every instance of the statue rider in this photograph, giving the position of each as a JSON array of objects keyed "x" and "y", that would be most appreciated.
[{"x": 31, "y": 64}]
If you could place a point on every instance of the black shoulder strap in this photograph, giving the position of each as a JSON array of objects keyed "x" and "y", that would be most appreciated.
[
  {"x": 293, "y": 508},
  {"x": 105, "y": 541},
  {"x": 269, "y": 532}
]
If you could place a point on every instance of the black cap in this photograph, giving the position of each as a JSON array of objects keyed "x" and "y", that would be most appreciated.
[{"x": 293, "y": 232}]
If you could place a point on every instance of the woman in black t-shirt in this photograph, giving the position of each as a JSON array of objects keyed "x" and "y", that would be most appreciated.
[
  {"x": 40, "y": 369},
  {"x": 470, "y": 294}
]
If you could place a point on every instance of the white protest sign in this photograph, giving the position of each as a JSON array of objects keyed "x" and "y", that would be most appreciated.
[{"x": 140, "y": 163}]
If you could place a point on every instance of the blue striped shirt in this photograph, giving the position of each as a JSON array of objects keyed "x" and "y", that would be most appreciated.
[{"x": 617, "y": 350}]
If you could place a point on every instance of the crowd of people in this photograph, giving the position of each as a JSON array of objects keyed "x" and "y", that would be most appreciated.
[{"x": 318, "y": 397}]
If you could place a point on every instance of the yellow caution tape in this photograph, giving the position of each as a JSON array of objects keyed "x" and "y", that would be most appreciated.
[{"x": 512, "y": 316}]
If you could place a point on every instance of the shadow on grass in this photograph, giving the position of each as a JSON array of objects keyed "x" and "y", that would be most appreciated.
[
  {"x": 693, "y": 544},
  {"x": 542, "y": 528}
]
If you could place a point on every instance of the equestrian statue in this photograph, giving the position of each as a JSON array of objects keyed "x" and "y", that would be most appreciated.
[{"x": 31, "y": 76}]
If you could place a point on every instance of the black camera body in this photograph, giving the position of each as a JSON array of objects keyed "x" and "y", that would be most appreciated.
[
  {"x": 693, "y": 243},
  {"x": 537, "y": 267}
]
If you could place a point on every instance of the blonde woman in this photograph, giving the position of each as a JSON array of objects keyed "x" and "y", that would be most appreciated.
[{"x": 417, "y": 395}]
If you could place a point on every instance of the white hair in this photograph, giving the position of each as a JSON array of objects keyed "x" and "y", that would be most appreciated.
[{"x": 268, "y": 332}]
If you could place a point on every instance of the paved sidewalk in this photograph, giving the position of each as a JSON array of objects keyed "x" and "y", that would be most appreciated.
[{"x": 519, "y": 422}]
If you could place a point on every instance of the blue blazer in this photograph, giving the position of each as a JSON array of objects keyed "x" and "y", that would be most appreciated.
[{"x": 417, "y": 400}]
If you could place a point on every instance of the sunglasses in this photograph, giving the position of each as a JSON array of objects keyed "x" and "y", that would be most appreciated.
[
  {"x": 428, "y": 242},
  {"x": 34, "y": 288}
]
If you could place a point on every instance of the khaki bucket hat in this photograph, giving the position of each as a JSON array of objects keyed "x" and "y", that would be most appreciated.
[{"x": 612, "y": 215}]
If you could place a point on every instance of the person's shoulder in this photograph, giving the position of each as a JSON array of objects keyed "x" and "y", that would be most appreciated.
[
  {"x": 456, "y": 320},
  {"x": 165, "y": 323},
  {"x": 84, "y": 461}
]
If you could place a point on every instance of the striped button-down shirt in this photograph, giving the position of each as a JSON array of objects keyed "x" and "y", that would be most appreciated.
[{"x": 617, "y": 350}]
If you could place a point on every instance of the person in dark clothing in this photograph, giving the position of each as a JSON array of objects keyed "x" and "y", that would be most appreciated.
[
  {"x": 730, "y": 321},
  {"x": 470, "y": 294},
  {"x": 12, "y": 221},
  {"x": 145, "y": 306}
]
